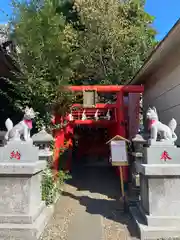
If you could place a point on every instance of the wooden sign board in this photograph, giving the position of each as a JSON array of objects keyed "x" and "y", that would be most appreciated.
[
  {"x": 89, "y": 99},
  {"x": 119, "y": 156}
]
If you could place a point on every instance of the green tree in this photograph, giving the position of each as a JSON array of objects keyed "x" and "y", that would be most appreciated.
[
  {"x": 115, "y": 37},
  {"x": 46, "y": 56},
  {"x": 63, "y": 42}
]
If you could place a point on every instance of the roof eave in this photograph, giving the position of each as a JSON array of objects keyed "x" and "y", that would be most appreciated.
[{"x": 169, "y": 42}]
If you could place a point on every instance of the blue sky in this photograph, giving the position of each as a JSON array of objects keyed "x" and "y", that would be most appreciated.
[
  {"x": 166, "y": 13},
  {"x": 5, "y": 6}
]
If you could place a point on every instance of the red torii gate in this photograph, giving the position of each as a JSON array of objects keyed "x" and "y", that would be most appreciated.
[{"x": 116, "y": 126}]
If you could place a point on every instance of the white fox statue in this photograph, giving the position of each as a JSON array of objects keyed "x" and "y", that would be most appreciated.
[
  {"x": 156, "y": 127},
  {"x": 22, "y": 129}
]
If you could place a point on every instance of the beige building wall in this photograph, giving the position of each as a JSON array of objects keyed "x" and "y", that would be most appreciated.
[{"x": 162, "y": 90}]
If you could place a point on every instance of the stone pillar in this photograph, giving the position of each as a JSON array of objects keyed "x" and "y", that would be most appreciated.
[
  {"x": 158, "y": 213},
  {"x": 23, "y": 215}
]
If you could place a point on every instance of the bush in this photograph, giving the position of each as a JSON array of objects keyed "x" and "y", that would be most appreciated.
[
  {"x": 45, "y": 60},
  {"x": 50, "y": 187}
]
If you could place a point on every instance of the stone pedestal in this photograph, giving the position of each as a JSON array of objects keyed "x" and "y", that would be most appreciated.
[
  {"x": 158, "y": 213},
  {"x": 22, "y": 213}
]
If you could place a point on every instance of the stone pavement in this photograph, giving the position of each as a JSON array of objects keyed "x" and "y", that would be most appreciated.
[{"x": 89, "y": 209}]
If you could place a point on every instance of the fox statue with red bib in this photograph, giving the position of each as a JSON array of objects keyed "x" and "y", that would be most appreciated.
[
  {"x": 156, "y": 127},
  {"x": 20, "y": 131}
]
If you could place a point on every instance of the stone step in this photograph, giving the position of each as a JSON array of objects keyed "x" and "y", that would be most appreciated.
[
  {"x": 151, "y": 232},
  {"x": 22, "y": 231}
]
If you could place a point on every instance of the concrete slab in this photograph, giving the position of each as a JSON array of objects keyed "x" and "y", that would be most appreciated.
[
  {"x": 152, "y": 232},
  {"x": 22, "y": 168},
  {"x": 158, "y": 169},
  {"x": 89, "y": 209},
  {"x": 158, "y": 221},
  {"x": 153, "y": 154},
  {"x": 23, "y": 218},
  {"x": 85, "y": 226},
  {"x": 26, "y": 231}
]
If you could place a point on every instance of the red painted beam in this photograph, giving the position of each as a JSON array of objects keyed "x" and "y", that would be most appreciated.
[
  {"x": 92, "y": 122},
  {"x": 133, "y": 89},
  {"x": 98, "y": 105},
  {"x": 109, "y": 88}
]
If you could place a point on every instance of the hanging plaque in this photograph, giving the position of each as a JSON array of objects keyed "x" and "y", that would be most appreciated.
[
  {"x": 119, "y": 152},
  {"x": 89, "y": 99}
]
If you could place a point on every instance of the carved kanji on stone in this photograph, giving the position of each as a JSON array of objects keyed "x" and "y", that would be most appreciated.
[
  {"x": 16, "y": 155},
  {"x": 165, "y": 156}
]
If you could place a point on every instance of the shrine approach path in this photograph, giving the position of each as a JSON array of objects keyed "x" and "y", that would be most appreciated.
[{"x": 89, "y": 208}]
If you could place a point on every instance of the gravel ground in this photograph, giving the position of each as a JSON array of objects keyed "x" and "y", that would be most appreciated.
[
  {"x": 97, "y": 189},
  {"x": 57, "y": 228},
  {"x": 118, "y": 225}
]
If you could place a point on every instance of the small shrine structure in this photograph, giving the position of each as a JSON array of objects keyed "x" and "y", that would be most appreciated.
[{"x": 105, "y": 120}]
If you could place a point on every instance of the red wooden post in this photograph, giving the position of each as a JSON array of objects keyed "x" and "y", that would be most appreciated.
[
  {"x": 120, "y": 114},
  {"x": 121, "y": 126},
  {"x": 69, "y": 133},
  {"x": 59, "y": 143}
]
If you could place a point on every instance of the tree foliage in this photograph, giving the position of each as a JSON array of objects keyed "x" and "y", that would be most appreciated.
[
  {"x": 114, "y": 36},
  {"x": 63, "y": 42},
  {"x": 46, "y": 56},
  {"x": 45, "y": 40}
]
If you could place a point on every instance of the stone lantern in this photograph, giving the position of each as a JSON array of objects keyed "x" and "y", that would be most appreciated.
[
  {"x": 138, "y": 142},
  {"x": 43, "y": 140}
]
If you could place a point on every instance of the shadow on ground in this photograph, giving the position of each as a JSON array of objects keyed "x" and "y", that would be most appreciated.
[{"x": 102, "y": 180}]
